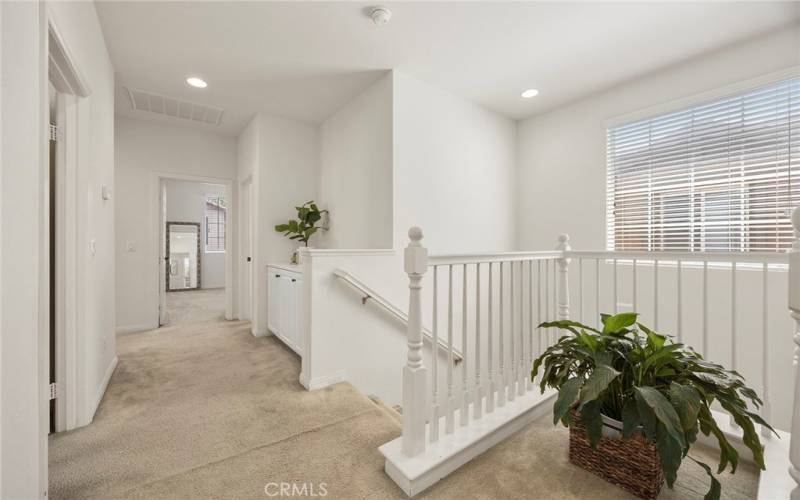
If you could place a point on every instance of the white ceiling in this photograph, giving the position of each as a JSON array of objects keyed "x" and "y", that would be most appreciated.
[{"x": 306, "y": 59}]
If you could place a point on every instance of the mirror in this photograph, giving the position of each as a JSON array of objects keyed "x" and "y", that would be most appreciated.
[{"x": 183, "y": 256}]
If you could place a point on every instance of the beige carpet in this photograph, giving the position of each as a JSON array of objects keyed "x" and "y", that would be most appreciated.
[
  {"x": 205, "y": 410},
  {"x": 193, "y": 306}
]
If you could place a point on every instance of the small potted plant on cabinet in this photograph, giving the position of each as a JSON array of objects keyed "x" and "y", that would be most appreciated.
[
  {"x": 634, "y": 402},
  {"x": 302, "y": 228}
]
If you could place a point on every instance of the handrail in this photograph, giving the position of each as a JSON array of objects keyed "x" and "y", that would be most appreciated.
[
  {"x": 388, "y": 306},
  {"x": 744, "y": 257},
  {"x": 475, "y": 258}
]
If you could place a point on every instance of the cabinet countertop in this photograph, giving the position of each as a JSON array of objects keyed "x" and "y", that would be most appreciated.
[{"x": 294, "y": 268}]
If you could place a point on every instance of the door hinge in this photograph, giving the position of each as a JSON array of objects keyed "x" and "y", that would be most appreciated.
[
  {"x": 56, "y": 133},
  {"x": 53, "y": 391}
]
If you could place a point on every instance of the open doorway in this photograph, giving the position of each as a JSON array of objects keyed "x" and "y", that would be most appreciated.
[{"x": 194, "y": 248}]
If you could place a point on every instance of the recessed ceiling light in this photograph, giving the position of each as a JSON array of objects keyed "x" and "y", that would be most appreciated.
[
  {"x": 530, "y": 93},
  {"x": 196, "y": 82}
]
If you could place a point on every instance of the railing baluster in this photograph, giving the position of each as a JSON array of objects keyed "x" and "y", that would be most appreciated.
[
  {"x": 490, "y": 342},
  {"x": 766, "y": 408},
  {"x": 655, "y": 294},
  {"x": 734, "y": 334},
  {"x": 464, "y": 356},
  {"x": 705, "y": 309},
  {"x": 414, "y": 373},
  {"x": 549, "y": 331},
  {"x": 449, "y": 416},
  {"x": 521, "y": 327},
  {"x": 596, "y": 289},
  {"x": 477, "y": 405},
  {"x": 580, "y": 290},
  {"x": 633, "y": 292},
  {"x": 512, "y": 376},
  {"x": 501, "y": 390},
  {"x": 616, "y": 296},
  {"x": 434, "y": 424},
  {"x": 679, "y": 307},
  {"x": 539, "y": 333},
  {"x": 531, "y": 327}
]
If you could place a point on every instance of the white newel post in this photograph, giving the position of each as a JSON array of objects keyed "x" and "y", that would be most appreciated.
[
  {"x": 562, "y": 281},
  {"x": 794, "y": 309},
  {"x": 414, "y": 373}
]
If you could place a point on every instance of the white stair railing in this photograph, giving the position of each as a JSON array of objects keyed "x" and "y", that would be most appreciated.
[{"x": 449, "y": 420}]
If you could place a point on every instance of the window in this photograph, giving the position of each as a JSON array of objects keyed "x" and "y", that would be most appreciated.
[
  {"x": 216, "y": 217},
  {"x": 721, "y": 176}
]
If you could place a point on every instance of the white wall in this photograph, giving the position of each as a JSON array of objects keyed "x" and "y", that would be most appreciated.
[
  {"x": 143, "y": 149},
  {"x": 186, "y": 202},
  {"x": 562, "y": 153},
  {"x": 454, "y": 170},
  {"x": 561, "y": 189},
  {"x": 21, "y": 124},
  {"x": 23, "y": 99},
  {"x": 282, "y": 155},
  {"x": 355, "y": 180}
]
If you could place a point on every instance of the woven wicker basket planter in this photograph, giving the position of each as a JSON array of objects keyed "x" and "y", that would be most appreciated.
[{"x": 632, "y": 464}]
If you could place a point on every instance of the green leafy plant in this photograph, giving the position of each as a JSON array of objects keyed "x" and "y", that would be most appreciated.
[
  {"x": 664, "y": 389},
  {"x": 305, "y": 225}
]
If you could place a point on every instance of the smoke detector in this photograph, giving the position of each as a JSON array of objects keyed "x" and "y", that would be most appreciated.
[{"x": 380, "y": 15}]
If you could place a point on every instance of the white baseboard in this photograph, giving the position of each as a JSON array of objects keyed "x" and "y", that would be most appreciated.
[
  {"x": 259, "y": 332},
  {"x": 321, "y": 382},
  {"x": 103, "y": 386},
  {"x": 415, "y": 474},
  {"x": 121, "y": 330}
]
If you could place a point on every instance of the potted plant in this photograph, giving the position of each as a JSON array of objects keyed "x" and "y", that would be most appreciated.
[
  {"x": 302, "y": 228},
  {"x": 635, "y": 400}
]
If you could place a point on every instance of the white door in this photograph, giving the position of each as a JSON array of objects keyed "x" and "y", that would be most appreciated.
[
  {"x": 163, "y": 257},
  {"x": 246, "y": 273}
]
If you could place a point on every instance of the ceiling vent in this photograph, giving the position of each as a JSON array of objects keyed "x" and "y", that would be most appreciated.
[{"x": 151, "y": 102}]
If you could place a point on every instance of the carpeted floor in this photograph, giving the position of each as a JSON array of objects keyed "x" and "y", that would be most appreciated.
[
  {"x": 205, "y": 410},
  {"x": 194, "y": 306}
]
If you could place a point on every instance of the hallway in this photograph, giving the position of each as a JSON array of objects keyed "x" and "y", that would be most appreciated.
[
  {"x": 206, "y": 410},
  {"x": 195, "y": 306}
]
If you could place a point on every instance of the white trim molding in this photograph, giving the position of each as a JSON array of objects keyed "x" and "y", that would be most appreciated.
[
  {"x": 101, "y": 391},
  {"x": 122, "y": 330},
  {"x": 415, "y": 474}
]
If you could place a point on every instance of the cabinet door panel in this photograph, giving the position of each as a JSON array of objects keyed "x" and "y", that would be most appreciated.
[
  {"x": 273, "y": 300},
  {"x": 288, "y": 314},
  {"x": 298, "y": 297}
]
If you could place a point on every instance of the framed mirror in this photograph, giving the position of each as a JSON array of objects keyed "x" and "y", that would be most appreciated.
[{"x": 183, "y": 256}]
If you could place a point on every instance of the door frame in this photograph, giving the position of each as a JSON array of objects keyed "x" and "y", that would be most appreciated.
[
  {"x": 73, "y": 399},
  {"x": 244, "y": 251},
  {"x": 157, "y": 256}
]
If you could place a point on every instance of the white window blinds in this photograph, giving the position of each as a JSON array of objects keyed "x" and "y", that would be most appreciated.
[
  {"x": 722, "y": 176},
  {"x": 216, "y": 217}
]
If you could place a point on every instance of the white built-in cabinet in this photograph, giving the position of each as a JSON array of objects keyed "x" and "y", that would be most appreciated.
[{"x": 284, "y": 293}]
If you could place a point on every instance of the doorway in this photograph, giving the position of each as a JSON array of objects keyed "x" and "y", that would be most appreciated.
[
  {"x": 246, "y": 242},
  {"x": 194, "y": 249}
]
